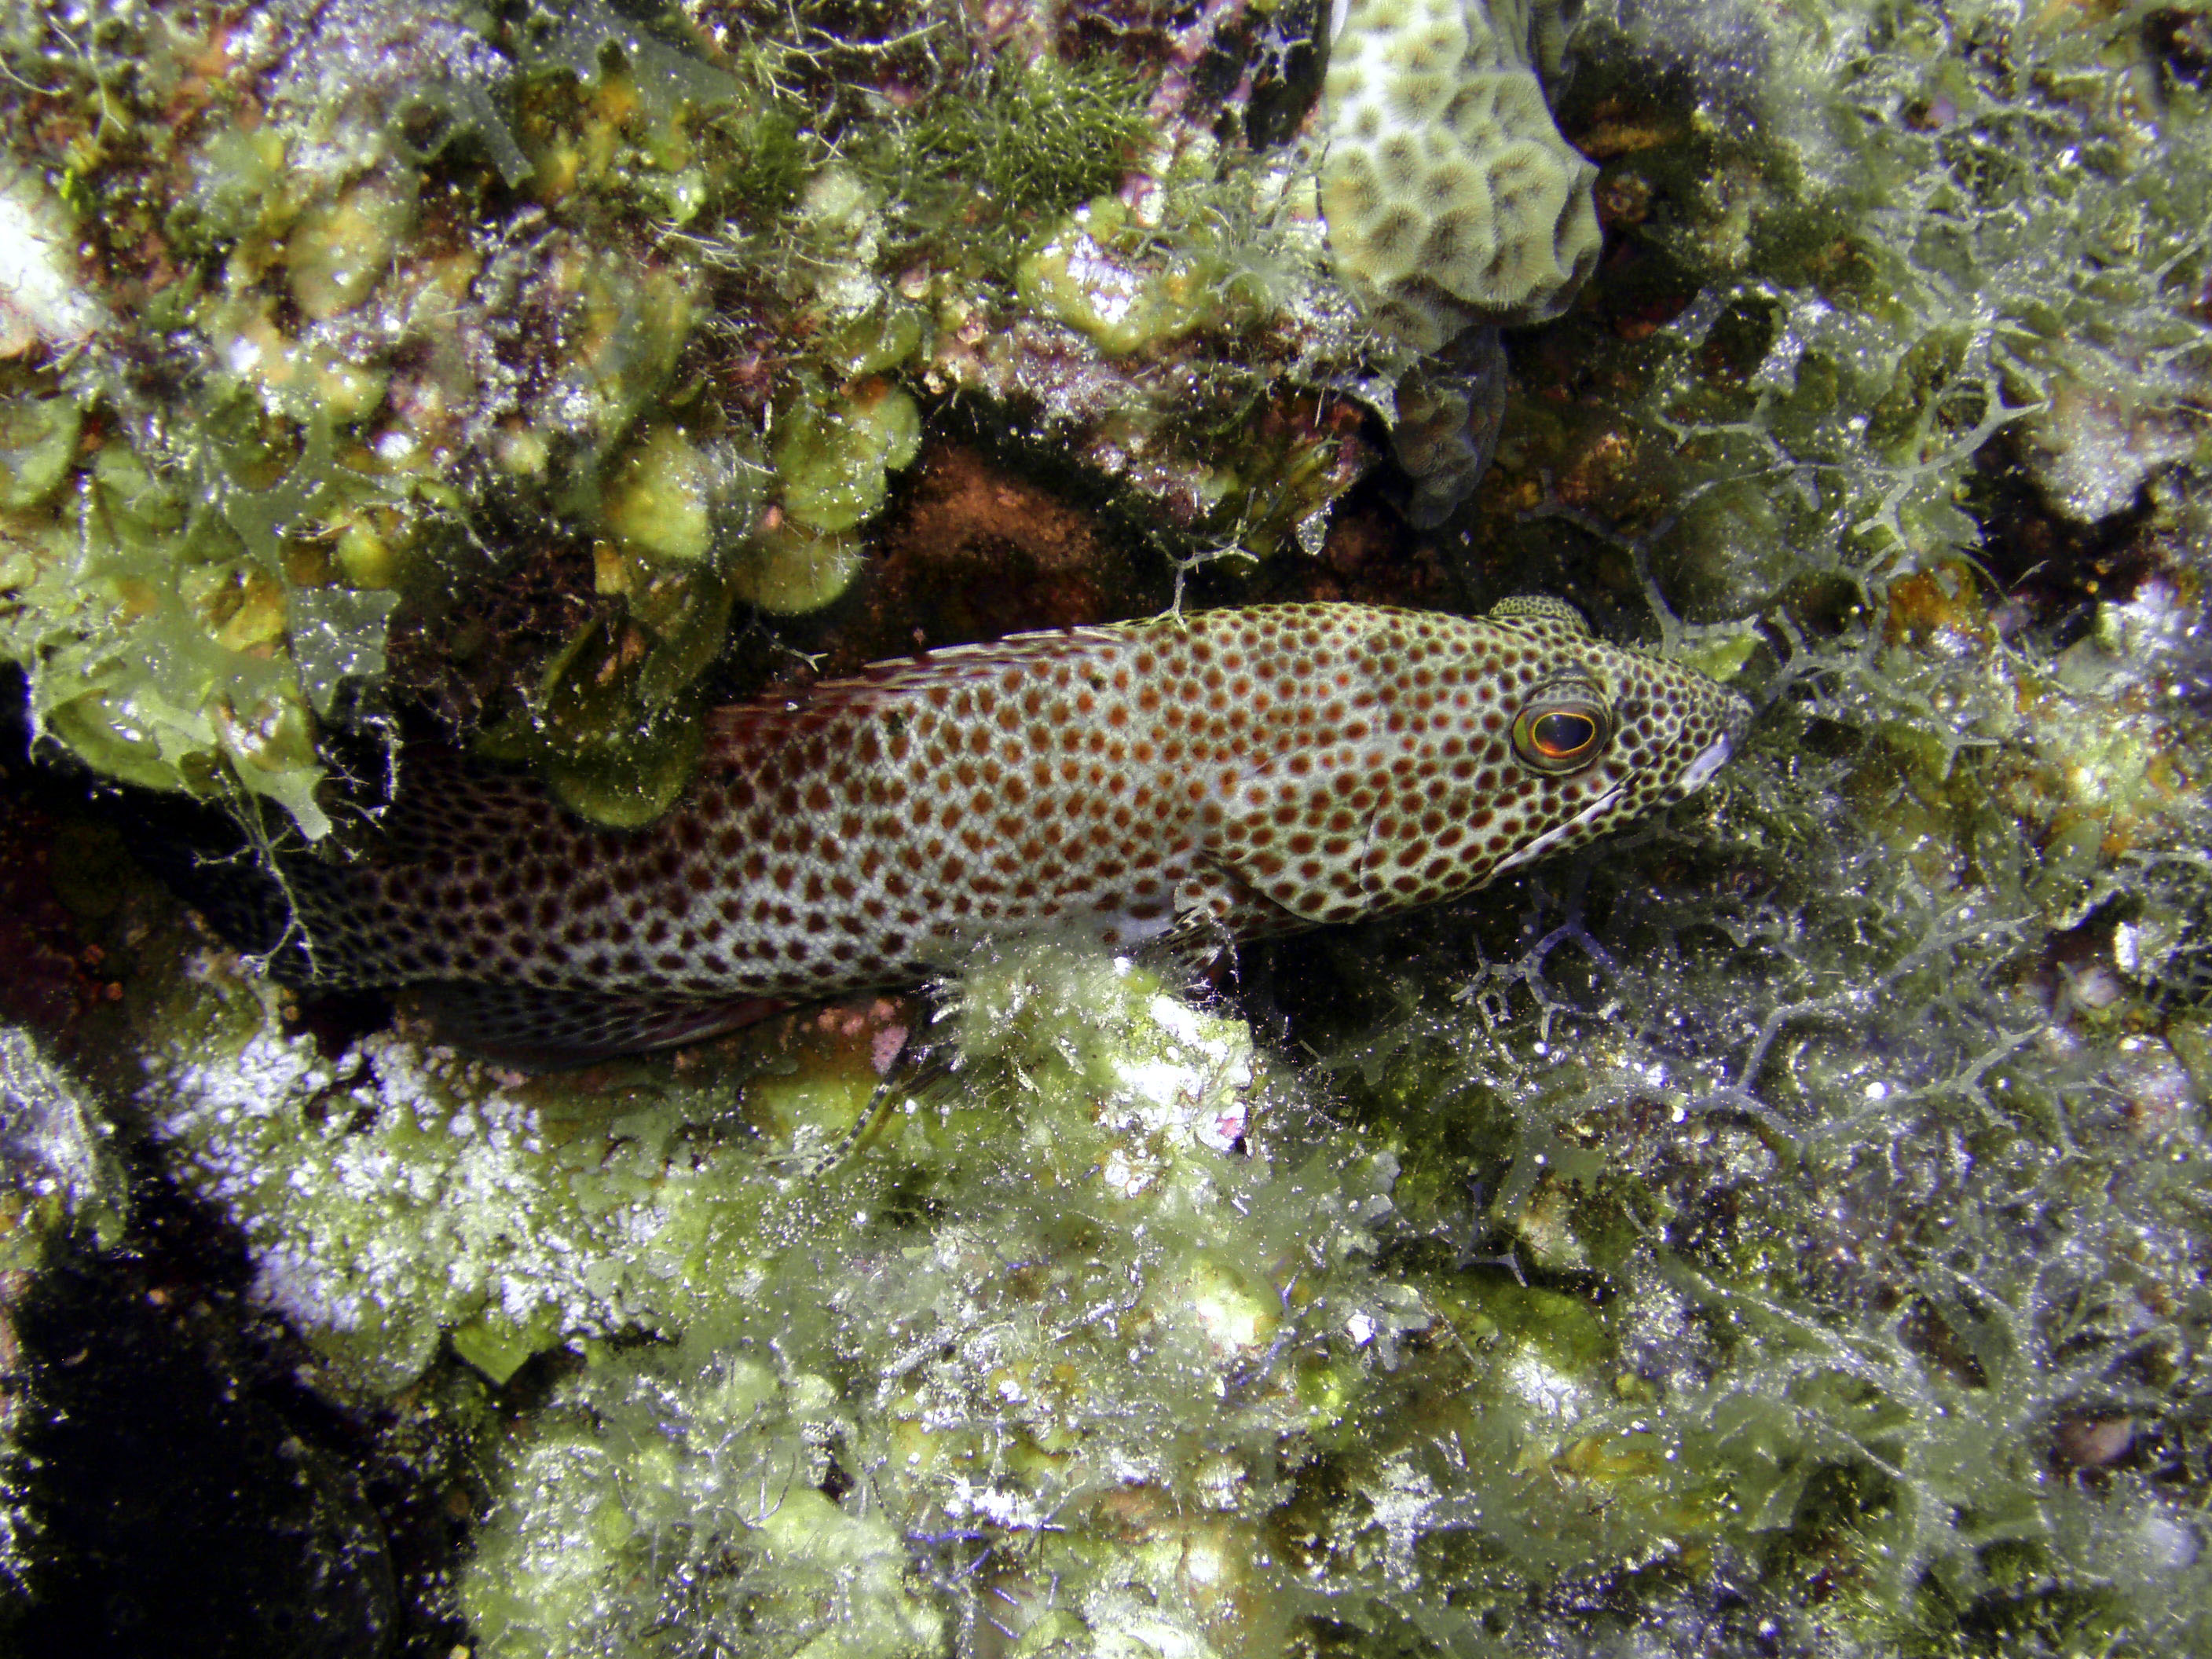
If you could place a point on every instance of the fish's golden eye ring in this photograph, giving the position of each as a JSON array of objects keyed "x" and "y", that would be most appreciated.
[{"x": 1562, "y": 729}]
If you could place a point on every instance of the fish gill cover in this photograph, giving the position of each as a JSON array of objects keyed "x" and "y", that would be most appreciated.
[{"x": 1783, "y": 1229}]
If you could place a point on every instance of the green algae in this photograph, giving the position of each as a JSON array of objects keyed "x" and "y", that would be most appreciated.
[
  {"x": 1848, "y": 1123},
  {"x": 1034, "y": 139},
  {"x": 1163, "y": 1287},
  {"x": 296, "y": 438},
  {"x": 1071, "y": 276},
  {"x": 832, "y": 462},
  {"x": 660, "y": 502},
  {"x": 38, "y": 440},
  {"x": 668, "y": 74},
  {"x": 59, "y": 1173},
  {"x": 705, "y": 1453},
  {"x": 416, "y": 289},
  {"x": 62, "y": 1188},
  {"x": 154, "y": 634}
]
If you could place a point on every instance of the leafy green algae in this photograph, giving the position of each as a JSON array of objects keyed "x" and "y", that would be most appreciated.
[
  {"x": 382, "y": 296},
  {"x": 346, "y": 385}
]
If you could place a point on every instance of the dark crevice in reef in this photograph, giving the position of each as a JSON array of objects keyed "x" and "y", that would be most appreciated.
[
  {"x": 193, "y": 1493},
  {"x": 189, "y": 1495},
  {"x": 189, "y": 1488},
  {"x": 2057, "y": 569}
]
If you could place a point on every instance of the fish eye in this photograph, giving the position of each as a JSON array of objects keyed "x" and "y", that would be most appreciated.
[{"x": 1561, "y": 729}]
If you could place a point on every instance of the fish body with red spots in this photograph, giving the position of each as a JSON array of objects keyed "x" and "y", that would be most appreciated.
[{"x": 1228, "y": 774}]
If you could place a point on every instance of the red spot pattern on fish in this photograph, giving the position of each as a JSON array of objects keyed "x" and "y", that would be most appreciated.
[{"x": 1229, "y": 775}]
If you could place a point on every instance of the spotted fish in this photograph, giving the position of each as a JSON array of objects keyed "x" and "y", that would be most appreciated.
[{"x": 1226, "y": 776}]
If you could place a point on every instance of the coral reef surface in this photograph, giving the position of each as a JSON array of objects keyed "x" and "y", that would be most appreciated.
[{"x": 1782, "y": 1228}]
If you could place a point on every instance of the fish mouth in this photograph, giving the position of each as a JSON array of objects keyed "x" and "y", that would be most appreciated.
[
  {"x": 1700, "y": 772},
  {"x": 1550, "y": 838}
]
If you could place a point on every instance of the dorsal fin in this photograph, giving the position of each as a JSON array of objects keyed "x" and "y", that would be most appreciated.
[
  {"x": 1540, "y": 615},
  {"x": 748, "y": 728}
]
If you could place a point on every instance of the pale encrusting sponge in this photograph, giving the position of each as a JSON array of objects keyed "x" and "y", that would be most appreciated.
[{"x": 1451, "y": 198}]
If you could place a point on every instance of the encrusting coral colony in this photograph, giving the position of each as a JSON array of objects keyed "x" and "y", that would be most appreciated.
[{"x": 1783, "y": 1227}]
